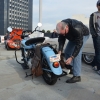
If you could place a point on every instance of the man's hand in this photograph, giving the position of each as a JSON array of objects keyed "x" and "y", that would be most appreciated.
[
  {"x": 68, "y": 61},
  {"x": 59, "y": 52}
]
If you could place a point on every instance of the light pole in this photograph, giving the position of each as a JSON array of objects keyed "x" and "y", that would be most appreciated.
[
  {"x": 40, "y": 15},
  {"x": 40, "y": 11}
]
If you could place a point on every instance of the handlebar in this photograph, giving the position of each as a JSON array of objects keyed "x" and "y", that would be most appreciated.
[
  {"x": 23, "y": 36},
  {"x": 23, "y": 33},
  {"x": 38, "y": 31}
]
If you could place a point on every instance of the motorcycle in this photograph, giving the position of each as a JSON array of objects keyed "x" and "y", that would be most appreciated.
[
  {"x": 49, "y": 58},
  {"x": 13, "y": 38}
]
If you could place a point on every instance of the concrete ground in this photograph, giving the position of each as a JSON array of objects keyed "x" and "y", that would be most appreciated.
[{"x": 14, "y": 85}]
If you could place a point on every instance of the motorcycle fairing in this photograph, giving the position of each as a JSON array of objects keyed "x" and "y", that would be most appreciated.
[
  {"x": 25, "y": 46},
  {"x": 48, "y": 52}
]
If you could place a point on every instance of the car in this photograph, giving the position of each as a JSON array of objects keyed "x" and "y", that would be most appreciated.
[{"x": 87, "y": 53}]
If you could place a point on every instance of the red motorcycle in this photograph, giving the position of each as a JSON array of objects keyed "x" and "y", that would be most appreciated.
[{"x": 13, "y": 39}]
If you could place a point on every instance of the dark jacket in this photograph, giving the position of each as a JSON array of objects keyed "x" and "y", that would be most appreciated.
[
  {"x": 76, "y": 32},
  {"x": 91, "y": 26}
]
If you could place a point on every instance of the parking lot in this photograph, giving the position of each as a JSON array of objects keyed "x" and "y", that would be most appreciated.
[{"x": 14, "y": 85}]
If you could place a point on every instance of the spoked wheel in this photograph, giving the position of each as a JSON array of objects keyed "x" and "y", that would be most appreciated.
[
  {"x": 87, "y": 58},
  {"x": 26, "y": 59},
  {"x": 20, "y": 60},
  {"x": 48, "y": 76}
]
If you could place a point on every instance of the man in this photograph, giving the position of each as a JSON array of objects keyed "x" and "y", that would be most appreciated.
[
  {"x": 94, "y": 25},
  {"x": 77, "y": 34}
]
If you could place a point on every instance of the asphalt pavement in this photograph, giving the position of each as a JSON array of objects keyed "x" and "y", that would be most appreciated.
[{"x": 14, "y": 85}]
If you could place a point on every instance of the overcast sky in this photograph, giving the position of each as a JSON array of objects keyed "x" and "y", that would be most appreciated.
[{"x": 56, "y": 10}]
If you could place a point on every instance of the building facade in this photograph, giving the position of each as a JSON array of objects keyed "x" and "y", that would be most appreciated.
[{"x": 15, "y": 13}]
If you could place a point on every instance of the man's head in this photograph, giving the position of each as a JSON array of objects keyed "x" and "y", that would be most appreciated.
[
  {"x": 62, "y": 28},
  {"x": 98, "y": 5}
]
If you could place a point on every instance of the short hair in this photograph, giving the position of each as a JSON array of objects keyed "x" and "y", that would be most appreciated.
[
  {"x": 98, "y": 2},
  {"x": 60, "y": 25}
]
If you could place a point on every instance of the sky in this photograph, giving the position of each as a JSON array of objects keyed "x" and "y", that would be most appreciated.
[{"x": 54, "y": 11}]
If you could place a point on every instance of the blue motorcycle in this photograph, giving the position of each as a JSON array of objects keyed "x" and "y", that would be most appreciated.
[{"x": 49, "y": 58}]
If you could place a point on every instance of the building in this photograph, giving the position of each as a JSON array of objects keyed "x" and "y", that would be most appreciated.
[
  {"x": 15, "y": 13},
  {"x": 82, "y": 18}
]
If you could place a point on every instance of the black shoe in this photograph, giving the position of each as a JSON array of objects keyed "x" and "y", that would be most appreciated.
[{"x": 74, "y": 79}]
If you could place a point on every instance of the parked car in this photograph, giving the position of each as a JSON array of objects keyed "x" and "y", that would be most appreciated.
[{"x": 88, "y": 50}]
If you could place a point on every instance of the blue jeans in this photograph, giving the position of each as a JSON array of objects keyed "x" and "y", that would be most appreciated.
[
  {"x": 96, "y": 43},
  {"x": 76, "y": 63}
]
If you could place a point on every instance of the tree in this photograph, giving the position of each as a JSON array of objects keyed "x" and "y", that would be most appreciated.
[
  {"x": 43, "y": 31},
  {"x": 48, "y": 31}
]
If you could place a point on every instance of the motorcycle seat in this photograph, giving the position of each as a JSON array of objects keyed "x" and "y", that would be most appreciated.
[{"x": 35, "y": 41}]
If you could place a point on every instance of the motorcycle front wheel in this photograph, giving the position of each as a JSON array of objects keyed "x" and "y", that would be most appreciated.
[{"x": 48, "y": 76}]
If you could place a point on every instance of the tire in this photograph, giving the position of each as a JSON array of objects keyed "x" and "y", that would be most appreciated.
[
  {"x": 48, "y": 77},
  {"x": 87, "y": 58},
  {"x": 25, "y": 61}
]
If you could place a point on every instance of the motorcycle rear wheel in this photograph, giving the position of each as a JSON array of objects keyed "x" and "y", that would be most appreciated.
[{"x": 48, "y": 76}]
